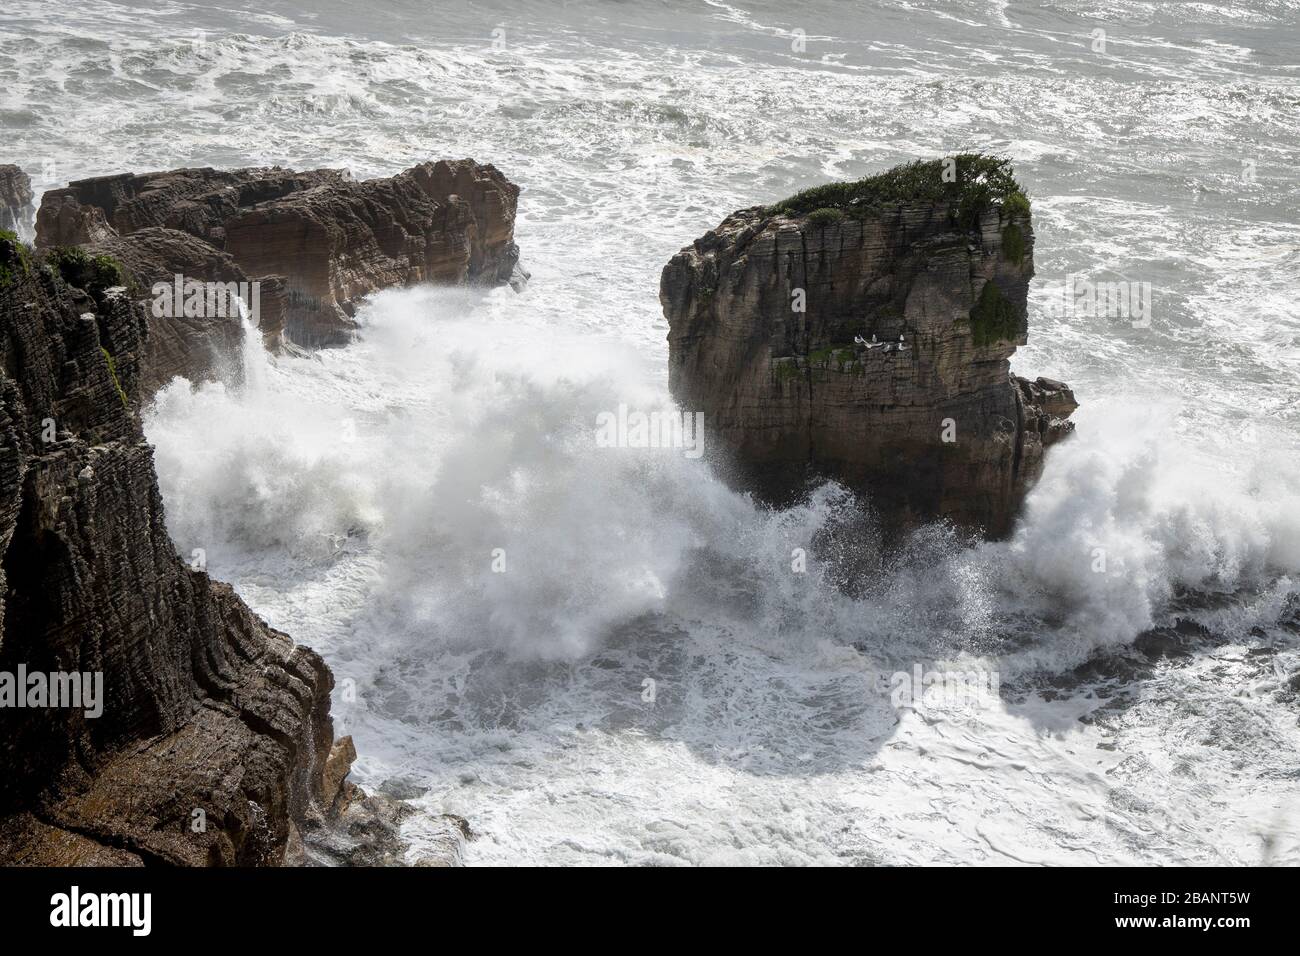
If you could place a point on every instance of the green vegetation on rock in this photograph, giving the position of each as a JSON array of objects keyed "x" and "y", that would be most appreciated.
[
  {"x": 825, "y": 216},
  {"x": 92, "y": 273},
  {"x": 979, "y": 181},
  {"x": 786, "y": 368},
  {"x": 1013, "y": 244},
  {"x": 841, "y": 355},
  {"x": 994, "y": 318},
  {"x": 1016, "y": 205},
  {"x": 112, "y": 370}
]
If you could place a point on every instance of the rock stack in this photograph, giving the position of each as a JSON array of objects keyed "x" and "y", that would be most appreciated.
[{"x": 785, "y": 327}]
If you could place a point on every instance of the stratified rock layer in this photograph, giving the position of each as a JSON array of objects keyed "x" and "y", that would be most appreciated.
[
  {"x": 789, "y": 396},
  {"x": 215, "y": 728},
  {"x": 195, "y": 347},
  {"x": 319, "y": 240},
  {"x": 450, "y": 223}
]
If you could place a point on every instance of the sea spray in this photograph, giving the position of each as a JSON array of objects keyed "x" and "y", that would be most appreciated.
[{"x": 485, "y": 455}]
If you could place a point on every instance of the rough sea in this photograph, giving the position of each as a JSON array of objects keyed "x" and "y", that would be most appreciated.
[{"x": 644, "y": 679}]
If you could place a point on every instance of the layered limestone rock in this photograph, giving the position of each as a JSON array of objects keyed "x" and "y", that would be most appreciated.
[
  {"x": 196, "y": 347},
  {"x": 318, "y": 242},
  {"x": 449, "y": 223},
  {"x": 197, "y": 201},
  {"x": 213, "y": 729},
  {"x": 212, "y": 740},
  {"x": 15, "y": 201},
  {"x": 764, "y": 311}
]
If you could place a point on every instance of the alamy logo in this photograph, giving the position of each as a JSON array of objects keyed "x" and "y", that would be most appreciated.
[
  {"x": 922, "y": 689},
  {"x": 103, "y": 909},
  {"x": 1124, "y": 299},
  {"x": 56, "y": 689},
  {"x": 193, "y": 299},
  {"x": 633, "y": 429}
]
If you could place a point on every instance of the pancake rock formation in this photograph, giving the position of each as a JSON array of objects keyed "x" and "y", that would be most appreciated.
[
  {"x": 317, "y": 242},
  {"x": 785, "y": 327},
  {"x": 194, "y": 733}
]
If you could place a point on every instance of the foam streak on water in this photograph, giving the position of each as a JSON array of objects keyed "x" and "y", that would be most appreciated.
[{"x": 355, "y": 498}]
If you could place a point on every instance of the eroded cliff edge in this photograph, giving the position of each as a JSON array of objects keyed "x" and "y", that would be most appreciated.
[
  {"x": 213, "y": 744},
  {"x": 215, "y": 728},
  {"x": 764, "y": 311},
  {"x": 316, "y": 242}
]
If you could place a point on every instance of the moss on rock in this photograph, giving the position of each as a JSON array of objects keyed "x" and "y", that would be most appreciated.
[
  {"x": 1013, "y": 244},
  {"x": 92, "y": 273},
  {"x": 994, "y": 318}
]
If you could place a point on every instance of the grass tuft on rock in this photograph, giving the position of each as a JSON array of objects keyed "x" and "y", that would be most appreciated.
[
  {"x": 825, "y": 216},
  {"x": 979, "y": 180},
  {"x": 92, "y": 273},
  {"x": 112, "y": 371}
]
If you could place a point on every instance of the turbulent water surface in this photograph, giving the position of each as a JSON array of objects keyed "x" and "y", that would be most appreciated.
[{"x": 1142, "y": 620}]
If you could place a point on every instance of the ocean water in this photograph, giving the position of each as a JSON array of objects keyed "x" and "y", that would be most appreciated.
[{"x": 643, "y": 678}]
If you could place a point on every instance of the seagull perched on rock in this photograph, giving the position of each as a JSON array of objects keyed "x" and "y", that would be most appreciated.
[{"x": 873, "y": 344}]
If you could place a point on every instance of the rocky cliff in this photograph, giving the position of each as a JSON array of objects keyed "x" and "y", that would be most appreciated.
[
  {"x": 213, "y": 731},
  {"x": 196, "y": 347},
  {"x": 317, "y": 242},
  {"x": 764, "y": 311},
  {"x": 211, "y": 741}
]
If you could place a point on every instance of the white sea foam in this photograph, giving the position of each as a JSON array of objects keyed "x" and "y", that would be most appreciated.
[{"x": 473, "y": 433}]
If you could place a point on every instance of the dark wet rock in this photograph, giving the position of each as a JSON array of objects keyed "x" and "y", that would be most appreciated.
[
  {"x": 215, "y": 727},
  {"x": 367, "y": 831},
  {"x": 1162, "y": 643},
  {"x": 362, "y": 829}
]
